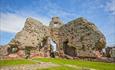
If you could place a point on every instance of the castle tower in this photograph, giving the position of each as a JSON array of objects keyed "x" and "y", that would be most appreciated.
[
  {"x": 54, "y": 25},
  {"x": 55, "y": 22}
]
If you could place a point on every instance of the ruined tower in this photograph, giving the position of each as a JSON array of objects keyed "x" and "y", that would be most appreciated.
[
  {"x": 54, "y": 25},
  {"x": 55, "y": 22}
]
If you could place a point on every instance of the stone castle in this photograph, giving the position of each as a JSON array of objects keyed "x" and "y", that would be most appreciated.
[{"x": 77, "y": 38}]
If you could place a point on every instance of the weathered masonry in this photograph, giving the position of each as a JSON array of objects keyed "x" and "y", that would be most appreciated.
[{"x": 77, "y": 38}]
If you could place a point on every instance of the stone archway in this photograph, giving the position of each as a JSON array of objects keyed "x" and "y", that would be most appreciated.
[
  {"x": 53, "y": 45},
  {"x": 12, "y": 49},
  {"x": 68, "y": 50}
]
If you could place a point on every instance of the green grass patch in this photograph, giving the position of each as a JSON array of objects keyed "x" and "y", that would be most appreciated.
[
  {"x": 62, "y": 63},
  {"x": 15, "y": 62},
  {"x": 89, "y": 64}
]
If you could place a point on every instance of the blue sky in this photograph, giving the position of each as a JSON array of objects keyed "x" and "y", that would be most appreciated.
[{"x": 13, "y": 14}]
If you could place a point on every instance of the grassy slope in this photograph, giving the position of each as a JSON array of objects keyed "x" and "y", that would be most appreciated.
[
  {"x": 15, "y": 62},
  {"x": 95, "y": 65},
  {"x": 62, "y": 62}
]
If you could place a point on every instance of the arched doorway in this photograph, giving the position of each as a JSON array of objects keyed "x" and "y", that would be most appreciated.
[
  {"x": 68, "y": 50},
  {"x": 53, "y": 45}
]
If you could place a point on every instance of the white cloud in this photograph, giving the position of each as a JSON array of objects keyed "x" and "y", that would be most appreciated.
[
  {"x": 11, "y": 22},
  {"x": 110, "y": 7},
  {"x": 53, "y": 9},
  {"x": 42, "y": 19},
  {"x": 14, "y": 23}
]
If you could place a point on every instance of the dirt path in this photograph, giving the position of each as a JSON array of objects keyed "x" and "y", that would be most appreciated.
[
  {"x": 40, "y": 65},
  {"x": 78, "y": 68},
  {"x": 29, "y": 66}
]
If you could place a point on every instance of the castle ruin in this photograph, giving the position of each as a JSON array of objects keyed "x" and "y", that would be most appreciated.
[{"x": 77, "y": 38}]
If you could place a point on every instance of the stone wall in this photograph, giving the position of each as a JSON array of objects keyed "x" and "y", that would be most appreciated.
[
  {"x": 72, "y": 39},
  {"x": 82, "y": 35}
]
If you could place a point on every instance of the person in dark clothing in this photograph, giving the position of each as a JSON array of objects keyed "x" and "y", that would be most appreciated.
[{"x": 52, "y": 54}]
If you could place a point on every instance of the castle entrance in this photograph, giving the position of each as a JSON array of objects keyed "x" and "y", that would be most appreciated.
[{"x": 71, "y": 51}]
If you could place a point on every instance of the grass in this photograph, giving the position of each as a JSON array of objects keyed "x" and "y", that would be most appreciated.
[
  {"x": 62, "y": 63},
  {"x": 15, "y": 62},
  {"x": 89, "y": 64}
]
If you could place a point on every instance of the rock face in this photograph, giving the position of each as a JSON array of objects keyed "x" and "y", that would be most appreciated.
[
  {"x": 81, "y": 35},
  {"x": 32, "y": 34},
  {"x": 73, "y": 39}
]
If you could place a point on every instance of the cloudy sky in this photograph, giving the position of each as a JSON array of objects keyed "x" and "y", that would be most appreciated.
[{"x": 13, "y": 14}]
